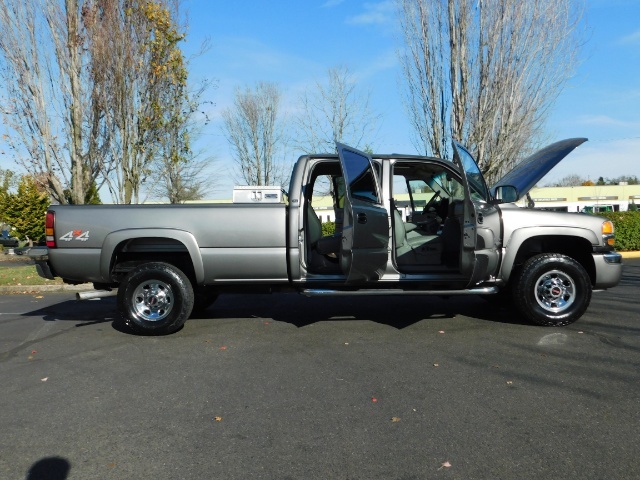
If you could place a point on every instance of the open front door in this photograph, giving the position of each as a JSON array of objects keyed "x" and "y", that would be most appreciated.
[
  {"x": 365, "y": 231},
  {"x": 475, "y": 189}
]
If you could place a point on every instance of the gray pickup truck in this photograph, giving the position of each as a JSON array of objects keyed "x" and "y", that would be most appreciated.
[{"x": 455, "y": 237}]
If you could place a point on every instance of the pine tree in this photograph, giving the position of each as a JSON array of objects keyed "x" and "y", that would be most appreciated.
[{"x": 25, "y": 209}]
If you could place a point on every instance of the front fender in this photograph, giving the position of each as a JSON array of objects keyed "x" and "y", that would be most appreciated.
[
  {"x": 116, "y": 238},
  {"x": 518, "y": 237}
]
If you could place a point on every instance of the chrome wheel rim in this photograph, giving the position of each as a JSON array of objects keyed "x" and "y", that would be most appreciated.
[
  {"x": 555, "y": 291},
  {"x": 153, "y": 300}
]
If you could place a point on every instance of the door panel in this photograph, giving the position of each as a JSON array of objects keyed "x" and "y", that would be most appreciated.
[
  {"x": 365, "y": 232},
  {"x": 473, "y": 267}
]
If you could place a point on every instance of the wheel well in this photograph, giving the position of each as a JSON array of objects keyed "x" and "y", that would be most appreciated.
[
  {"x": 134, "y": 252},
  {"x": 575, "y": 247}
]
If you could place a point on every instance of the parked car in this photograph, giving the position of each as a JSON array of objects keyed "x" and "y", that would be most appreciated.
[{"x": 8, "y": 241}]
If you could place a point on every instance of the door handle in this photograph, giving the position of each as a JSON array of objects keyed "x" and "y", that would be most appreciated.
[{"x": 362, "y": 217}]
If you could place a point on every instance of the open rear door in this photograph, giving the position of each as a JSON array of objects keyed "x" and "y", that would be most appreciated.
[{"x": 365, "y": 231}]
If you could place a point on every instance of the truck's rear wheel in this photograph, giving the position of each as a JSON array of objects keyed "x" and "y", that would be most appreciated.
[
  {"x": 155, "y": 298},
  {"x": 552, "y": 290}
]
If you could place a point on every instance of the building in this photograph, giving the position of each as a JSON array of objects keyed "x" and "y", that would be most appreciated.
[
  {"x": 616, "y": 198},
  {"x": 590, "y": 199}
]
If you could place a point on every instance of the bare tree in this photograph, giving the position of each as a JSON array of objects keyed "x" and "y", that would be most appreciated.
[
  {"x": 335, "y": 111},
  {"x": 573, "y": 180},
  {"x": 179, "y": 173},
  {"x": 136, "y": 43},
  {"x": 48, "y": 102},
  {"x": 8, "y": 180},
  {"x": 90, "y": 87},
  {"x": 183, "y": 180},
  {"x": 255, "y": 132},
  {"x": 485, "y": 73}
]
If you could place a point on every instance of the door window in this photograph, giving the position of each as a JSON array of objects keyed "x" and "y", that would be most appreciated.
[
  {"x": 362, "y": 181},
  {"x": 477, "y": 187}
]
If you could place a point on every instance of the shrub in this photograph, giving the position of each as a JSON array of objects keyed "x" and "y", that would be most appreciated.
[
  {"x": 328, "y": 228},
  {"x": 627, "y": 229}
]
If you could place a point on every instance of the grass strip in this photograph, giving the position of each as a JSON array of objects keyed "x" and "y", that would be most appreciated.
[{"x": 24, "y": 275}]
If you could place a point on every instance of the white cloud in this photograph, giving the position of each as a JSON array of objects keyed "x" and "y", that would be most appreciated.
[
  {"x": 382, "y": 63},
  {"x": 607, "y": 121},
  {"x": 633, "y": 38},
  {"x": 250, "y": 55},
  {"x": 375, "y": 14}
]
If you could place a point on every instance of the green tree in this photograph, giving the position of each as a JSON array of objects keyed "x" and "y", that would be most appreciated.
[
  {"x": 91, "y": 196},
  {"x": 25, "y": 209}
]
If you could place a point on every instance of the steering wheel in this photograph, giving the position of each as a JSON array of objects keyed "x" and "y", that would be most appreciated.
[{"x": 431, "y": 201}]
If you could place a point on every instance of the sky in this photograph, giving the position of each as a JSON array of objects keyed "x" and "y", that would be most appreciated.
[{"x": 294, "y": 42}]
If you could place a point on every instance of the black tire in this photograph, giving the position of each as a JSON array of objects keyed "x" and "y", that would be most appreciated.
[
  {"x": 204, "y": 298},
  {"x": 552, "y": 290},
  {"x": 155, "y": 298}
]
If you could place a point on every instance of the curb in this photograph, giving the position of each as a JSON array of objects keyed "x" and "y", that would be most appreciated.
[{"x": 83, "y": 287}]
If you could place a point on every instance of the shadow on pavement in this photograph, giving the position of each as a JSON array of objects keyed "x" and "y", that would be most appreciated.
[
  {"x": 397, "y": 312},
  {"x": 50, "y": 468}
]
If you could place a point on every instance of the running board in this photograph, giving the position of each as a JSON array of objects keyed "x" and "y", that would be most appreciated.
[{"x": 312, "y": 292}]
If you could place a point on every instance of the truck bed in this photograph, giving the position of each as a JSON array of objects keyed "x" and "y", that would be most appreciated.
[{"x": 231, "y": 242}]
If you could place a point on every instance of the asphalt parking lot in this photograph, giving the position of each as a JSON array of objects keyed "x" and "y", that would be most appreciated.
[{"x": 284, "y": 386}]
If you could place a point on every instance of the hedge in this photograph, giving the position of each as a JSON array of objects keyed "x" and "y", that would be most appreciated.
[{"x": 627, "y": 229}]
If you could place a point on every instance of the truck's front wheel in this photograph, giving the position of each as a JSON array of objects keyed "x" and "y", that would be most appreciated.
[
  {"x": 552, "y": 290},
  {"x": 156, "y": 298}
]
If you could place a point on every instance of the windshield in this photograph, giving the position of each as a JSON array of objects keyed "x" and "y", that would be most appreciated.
[
  {"x": 474, "y": 176},
  {"x": 445, "y": 182}
]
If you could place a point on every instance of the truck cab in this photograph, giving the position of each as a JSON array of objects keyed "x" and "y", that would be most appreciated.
[{"x": 443, "y": 239}]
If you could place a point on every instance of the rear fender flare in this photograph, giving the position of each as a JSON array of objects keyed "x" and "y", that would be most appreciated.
[{"x": 114, "y": 239}]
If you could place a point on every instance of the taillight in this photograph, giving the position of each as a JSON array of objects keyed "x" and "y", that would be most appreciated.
[{"x": 48, "y": 229}]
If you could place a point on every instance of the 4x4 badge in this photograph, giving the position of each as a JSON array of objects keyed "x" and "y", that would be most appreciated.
[{"x": 75, "y": 235}]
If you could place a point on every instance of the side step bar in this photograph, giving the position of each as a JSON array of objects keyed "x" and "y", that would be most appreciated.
[{"x": 312, "y": 292}]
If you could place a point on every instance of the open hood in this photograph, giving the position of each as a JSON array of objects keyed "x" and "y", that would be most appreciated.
[{"x": 530, "y": 171}]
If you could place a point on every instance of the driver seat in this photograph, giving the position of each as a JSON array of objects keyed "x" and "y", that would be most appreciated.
[{"x": 442, "y": 210}]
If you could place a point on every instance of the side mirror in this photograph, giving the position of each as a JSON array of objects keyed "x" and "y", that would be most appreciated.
[{"x": 506, "y": 194}]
